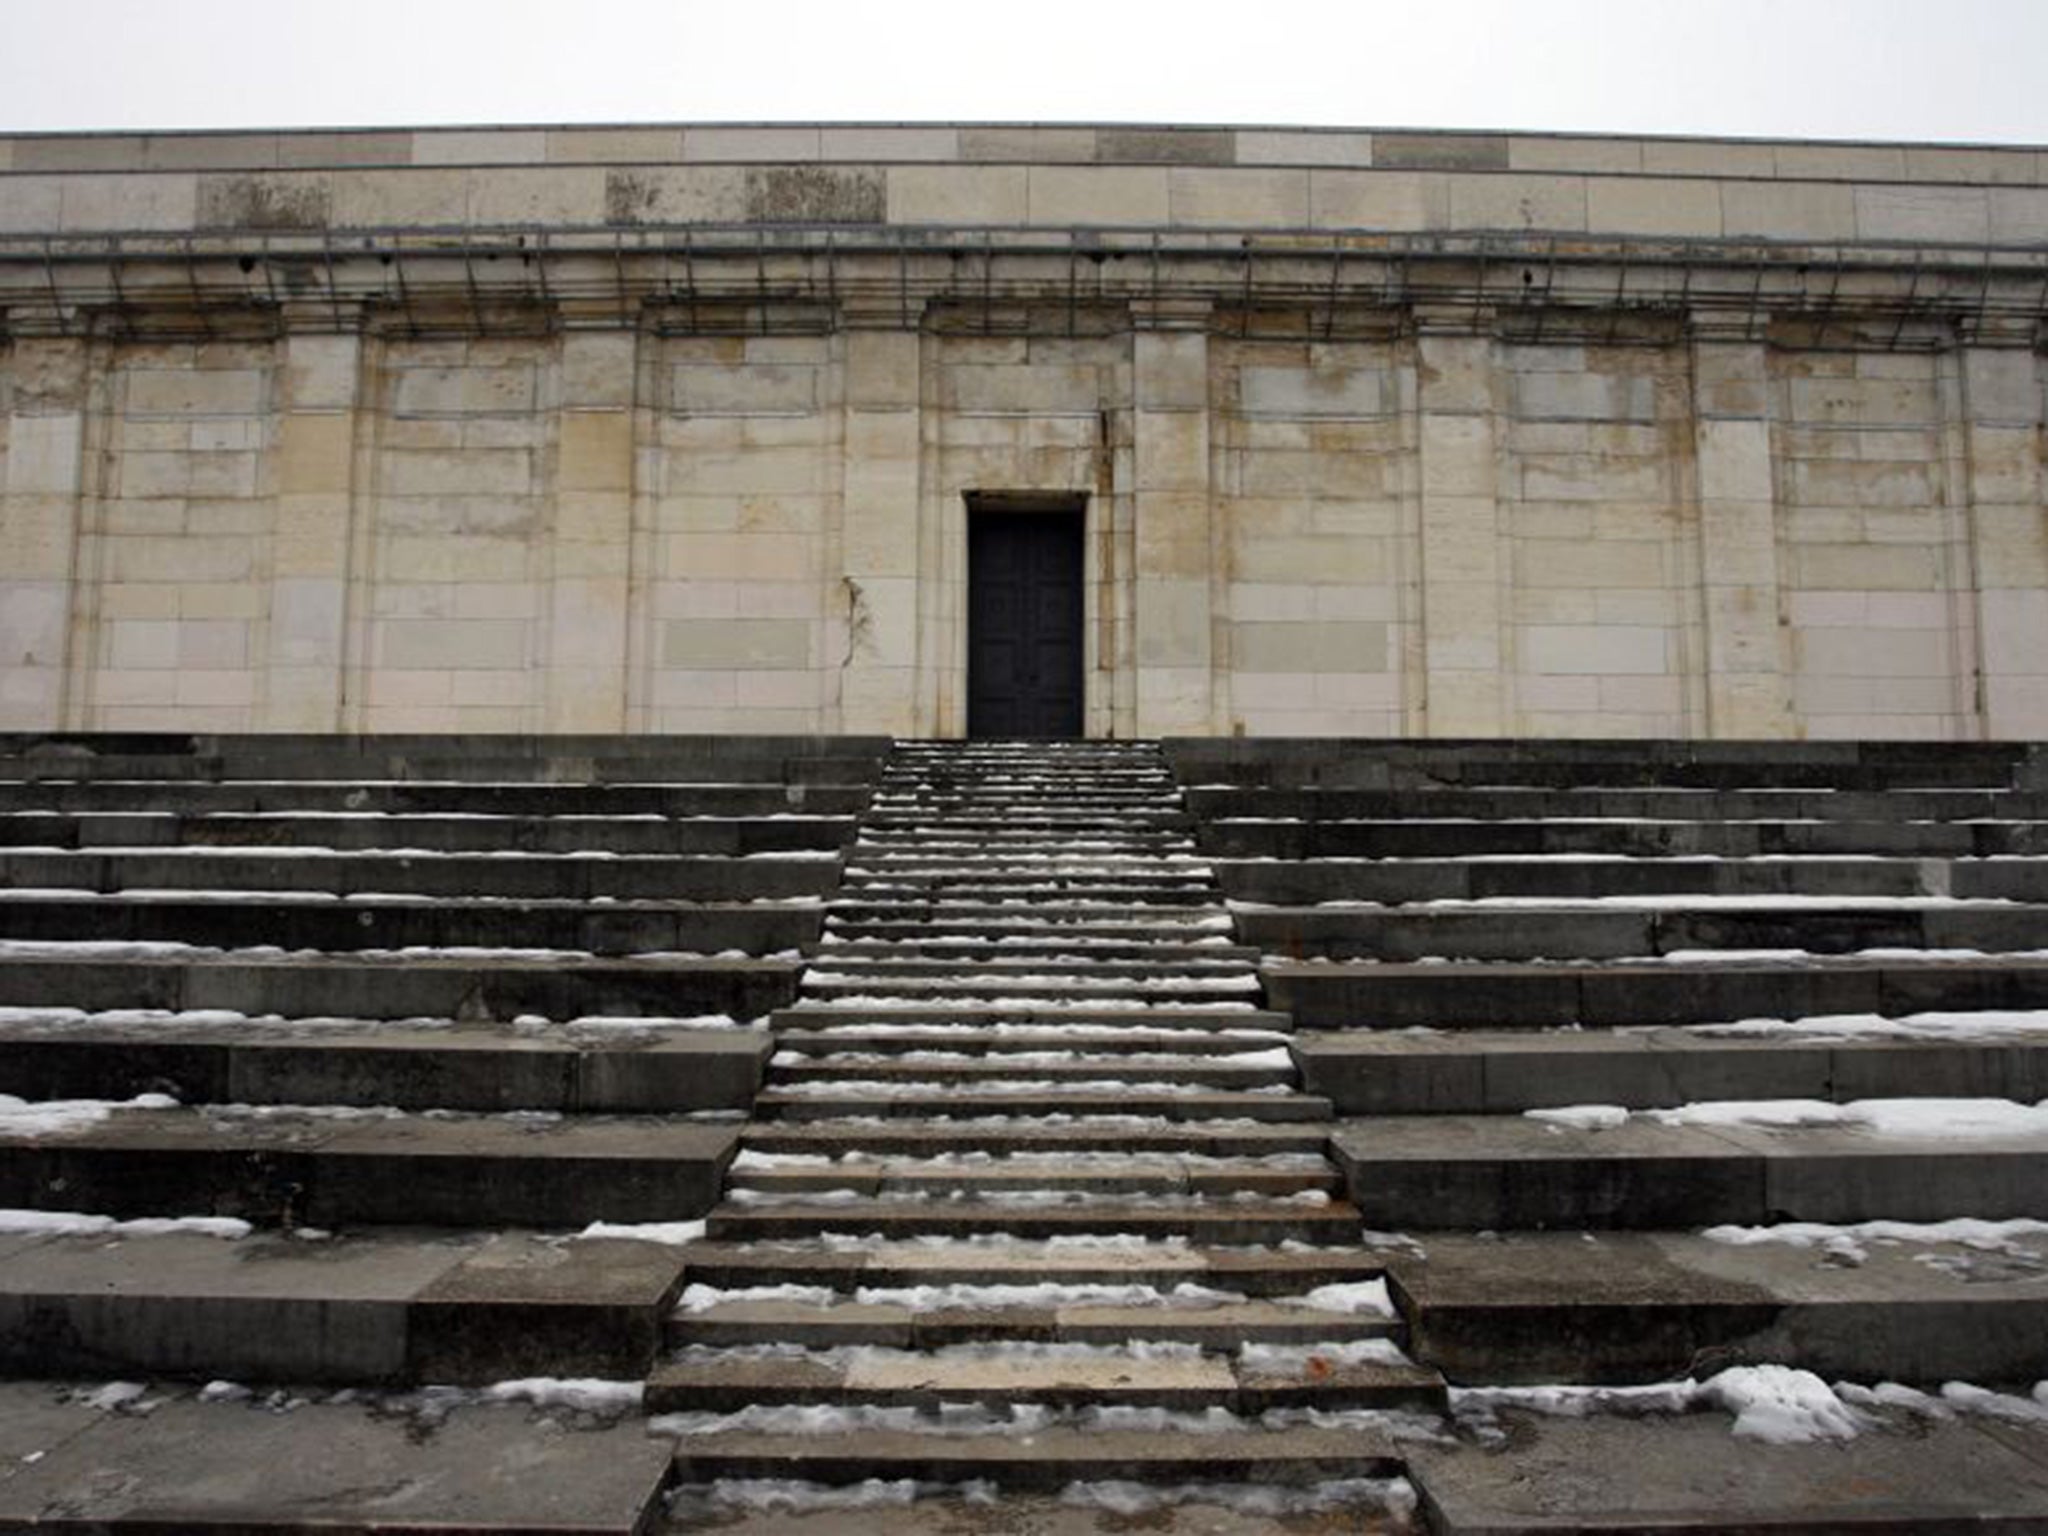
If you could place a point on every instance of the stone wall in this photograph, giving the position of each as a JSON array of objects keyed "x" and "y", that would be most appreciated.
[{"x": 690, "y": 440}]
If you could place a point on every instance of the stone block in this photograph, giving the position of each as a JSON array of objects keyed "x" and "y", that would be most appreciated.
[
  {"x": 1596, "y": 397},
  {"x": 1397, "y": 202},
  {"x": 1937, "y": 215},
  {"x": 1628, "y": 205},
  {"x": 182, "y": 392},
  {"x": 112, "y": 204},
  {"x": 1172, "y": 620},
  {"x": 1297, "y": 393},
  {"x": 1257, "y": 146},
  {"x": 1595, "y": 649},
  {"x": 42, "y": 457},
  {"x": 1802, "y": 210},
  {"x": 1565, "y": 152},
  {"x": 33, "y": 205},
  {"x": 1028, "y": 145},
  {"x": 1164, "y": 146},
  {"x": 751, "y": 143},
  {"x": 479, "y": 146},
  {"x": 748, "y": 391},
  {"x": 2018, "y": 216},
  {"x": 596, "y": 451},
  {"x": 737, "y": 644},
  {"x": 1441, "y": 151},
  {"x": 432, "y": 199},
  {"x": 957, "y": 195},
  {"x": 613, "y": 146},
  {"x": 507, "y": 389},
  {"x": 1097, "y": 195},
  {"x": 1238, "y": 199},
  {"x": 445, "y": 644},
  {"x": 1309, "y": 647},
  {"x": 698, "y": 194},
  {"x": 1516, "y": 202}
]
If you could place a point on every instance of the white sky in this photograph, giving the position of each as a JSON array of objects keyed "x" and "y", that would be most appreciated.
[{"x": 1953, "y": 70}]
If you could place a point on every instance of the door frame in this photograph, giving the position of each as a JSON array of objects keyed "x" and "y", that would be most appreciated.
[{"x": 1074, "y": 505}]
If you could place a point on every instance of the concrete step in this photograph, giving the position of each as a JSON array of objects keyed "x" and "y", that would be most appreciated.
[
  {"x": 390, "y": 797},
  {"x": 1213, "y": 950},
  {"x": 665, "y": 836},
  {"x": 847, "y": 920},
  {"x": 1686, "y": 1474},
  {"x": 1216, "y": 1325},
  {"x": 938, "y": 964},
  {"x": 693, "y": 878},
  {"x": 189, "y": 1464},
  {"x": 992, "y": 1071},
  {"x": 1008, "y": 1040},
  {"x": 217, "y": 1058},
  {"x": 1645, "y": 838},
  {"x": 1117, "y": 1172},
  {"x": 1287, "y": 882},
  {"x": 1231, "y": 811},
  {"x": 840, "y": 1101},
  {"x": 1147, "y": 1133},
  {"x": 1498, "y": 1072},
  {"x": 1644, "y": 927},
  {"x": 1199, "y": 1219},
  {"x": 1336, "y": 995},
  {"x": 1533, "y": 1307},
  {"x": 990, "y": 1015},
  {"x": 830, "y": 986},
  {"x": 365, "y": 1308},
  {"x": 1044, "y": 1459},
  {"x": 286, "y": 1167},
  {"x": 488, "y": 985},
  {"x": 1273, "y": 1274},
  {"x": 297, "y": 920},
  {"x": 1492, "y": 1172},
  {"x": 709, "y": 1379}
]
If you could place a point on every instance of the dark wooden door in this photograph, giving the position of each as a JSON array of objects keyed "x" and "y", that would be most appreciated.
[{"x": 1024, "y": 624}]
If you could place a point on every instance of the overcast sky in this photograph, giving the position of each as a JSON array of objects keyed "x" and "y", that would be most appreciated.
[{"x": 1953, "y": 70}]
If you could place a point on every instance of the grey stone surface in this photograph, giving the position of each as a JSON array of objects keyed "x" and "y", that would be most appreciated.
[{"x": 192, "y": 1466}]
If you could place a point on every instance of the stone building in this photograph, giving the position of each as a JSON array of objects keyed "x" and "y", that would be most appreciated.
[{"x": 930, "y": 430}]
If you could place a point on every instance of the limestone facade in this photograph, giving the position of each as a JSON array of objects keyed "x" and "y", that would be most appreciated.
[{"x": 681, "y": 429}]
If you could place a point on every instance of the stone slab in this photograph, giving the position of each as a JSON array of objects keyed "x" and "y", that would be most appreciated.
[
  {"x": 241, "y": 1467},
  {"x": 1534, "y": 1307},
  {"x": 1662, "y": 1473}
]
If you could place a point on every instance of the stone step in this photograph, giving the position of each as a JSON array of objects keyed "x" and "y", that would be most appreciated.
[
  {"x": 1524, "y": 765},
  {"x": 1646, "y": 838},
  {"x": 286, "y": 1167},
  {"x": 708, "y": 1379},
  {"x": 368, "y": 1307},
  {"x": 1210, "y": 1017},
  {"x": 1117, "y": 1172},
  {"x": 1307, "y": 882},
  {"x": 358, "y": 797},
  {"x": 937, "y": 964},
  {"x": 1229, "y": 811},
  {"x": 1686, "y": 1474},
  {"x": 1147, "y": 1133},
  {"x": 216, "y": 1058},
  {"x": 696, "y": 877},
  {"x": 1336, "y": 995},
  {"x": 1049, "y": 1458},
  {"x": 1272, "y": 1274},
  {"x": 840, "y": 1101},
  {"x": 822, "y": 986},
  {"x": 1492, "y": 1172},
  {"x": 188, "y": 1463},
  {"x": 1214, "y": 950},
  {"x": 889, "y": 921},
  {"x": 664, "y": 836},
  {"x": 992, "y": 1071},
  {"x": 488, "y": 985},
  {"x": 1534, "y": 1307},
  {"x": 1041, "y": 822},
  {"x": 1618, "y": 930},
  {"x": 318, "y": 921},
  {"x": 1489, "y": 1072},
  {"x": 1207, "y": 1220},
  {"x": 1216, "y": 1325},
  {"x": 999, "y": 1041},
  {"x": 1026, "y": 895}
]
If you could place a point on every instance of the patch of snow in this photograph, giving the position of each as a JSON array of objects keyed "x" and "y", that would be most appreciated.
[
  {"x": 80, "y": 1223},
  {"x": 676, "y": 1232},
  {"x": 1581, "y": 1117}
]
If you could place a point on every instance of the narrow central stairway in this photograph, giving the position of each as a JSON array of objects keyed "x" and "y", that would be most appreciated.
[{"x": 1032, "y": 1191}]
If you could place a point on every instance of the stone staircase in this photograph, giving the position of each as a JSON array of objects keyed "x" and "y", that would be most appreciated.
[
  {"x": 1032, "y": 1187},
  {"x": 1221, "y": 1136}
]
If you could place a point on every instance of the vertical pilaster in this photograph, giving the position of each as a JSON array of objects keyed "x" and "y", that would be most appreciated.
[
  {"x": 1173, "y": 582},
  {"x": 39, "y": 516},
  {"x": 319, "y": 395},
  {"x": 2001, "y": 409},
  {"x": 879, "y": 530},
  {"x": 1747, "y": 692},
  {"x": 590, "y": 583},
  {"x": 1464, "y": 654}
]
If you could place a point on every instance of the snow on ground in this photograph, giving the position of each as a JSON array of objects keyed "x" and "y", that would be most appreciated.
[
  {"x": 82, "y": 1224},
  {"x": 1912, "y": 1026},
  {"x": 53, "y": 1117},
  {"x": 1847, "y": 1239},
  {"x": 647, "y": 1231},
  {"x": 1904, "y": 1119}
]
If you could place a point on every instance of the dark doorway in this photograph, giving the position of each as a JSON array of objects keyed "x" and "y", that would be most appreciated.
[{"x": 1024, "y": 623}]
